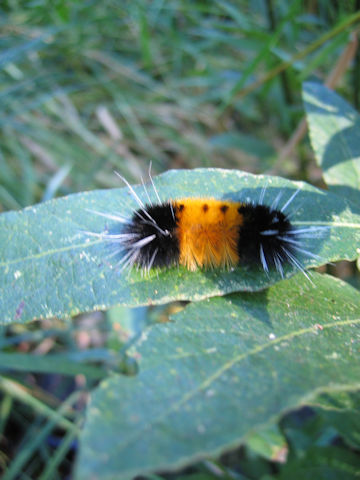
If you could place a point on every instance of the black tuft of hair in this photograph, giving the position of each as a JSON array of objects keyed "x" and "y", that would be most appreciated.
[
  {"x": 266, "y": 237},
  {"x": 158, "y": 221}
]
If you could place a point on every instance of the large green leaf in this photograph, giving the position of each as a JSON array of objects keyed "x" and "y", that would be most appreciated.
[
  {"x": 224, "y": 368},
  {"x": 334, "y": 132},
  {"x": 48, "y": 267}
]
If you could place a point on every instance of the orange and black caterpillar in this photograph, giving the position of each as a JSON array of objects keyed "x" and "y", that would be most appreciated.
[{"x": 207, "y": 233}]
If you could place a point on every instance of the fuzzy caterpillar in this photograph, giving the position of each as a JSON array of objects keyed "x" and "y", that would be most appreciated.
[{"x": 207, "y": 233}]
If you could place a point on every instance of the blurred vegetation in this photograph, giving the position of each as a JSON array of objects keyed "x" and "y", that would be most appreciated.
[{"x": 90, "y": 87}]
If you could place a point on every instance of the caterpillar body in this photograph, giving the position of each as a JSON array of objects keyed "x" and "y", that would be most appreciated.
[{"x": 207, "y": 233}]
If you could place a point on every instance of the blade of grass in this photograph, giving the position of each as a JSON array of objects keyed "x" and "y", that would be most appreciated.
[
  {"x": 264, "y": 53},
  {"x": 342, "y": 26},
  {"x": 58, "y": 456},
  {"x": 55, "y": 363},
  {"x": 5, "y": 410},
  {"x": 34, "y": 442},
  {"x": 21, "y": 393}
]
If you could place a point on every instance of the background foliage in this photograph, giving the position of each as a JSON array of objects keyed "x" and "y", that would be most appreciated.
[{"x": 89, "y": 87}]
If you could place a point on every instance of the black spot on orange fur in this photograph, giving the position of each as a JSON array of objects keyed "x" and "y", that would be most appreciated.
[{"x": 224, "y": 208}]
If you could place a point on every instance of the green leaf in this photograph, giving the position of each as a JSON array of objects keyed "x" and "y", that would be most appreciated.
[
  {"x": 49, "y": 267},
  {"x": 334, "y": 127},
  {"x": 223, "y": 369},
  {"x": 322, "y": 463},
  {"x": 342, "y": 412},
  {"x": 269, "y": 442}
]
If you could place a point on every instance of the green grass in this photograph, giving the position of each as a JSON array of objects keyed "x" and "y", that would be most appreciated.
[{"x": 93, "y": 87}]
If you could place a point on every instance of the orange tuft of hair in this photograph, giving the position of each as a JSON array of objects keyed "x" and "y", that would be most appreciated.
[{"x": 208, "y": 232}]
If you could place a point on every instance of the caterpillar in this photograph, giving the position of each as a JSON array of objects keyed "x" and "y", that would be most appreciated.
[{"x": 205, "y": 233}]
